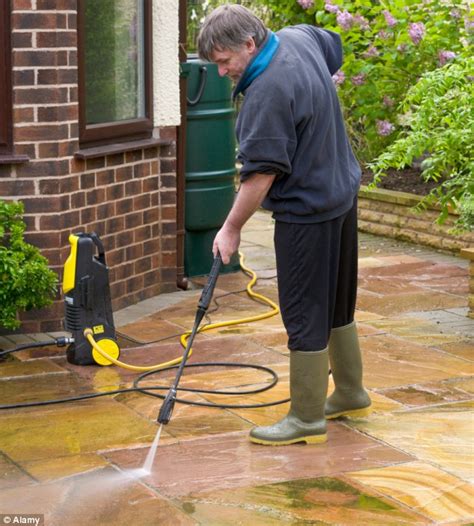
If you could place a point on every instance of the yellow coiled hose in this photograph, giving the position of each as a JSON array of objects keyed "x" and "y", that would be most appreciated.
[{"x": 184, "y": 337}]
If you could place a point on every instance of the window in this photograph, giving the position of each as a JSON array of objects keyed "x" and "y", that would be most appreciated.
[
  {"x": 115, "y": 92},
  {"x": 5, "y": 80}
]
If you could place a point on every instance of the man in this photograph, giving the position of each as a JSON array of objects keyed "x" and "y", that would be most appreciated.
[{"x": 297, "y": 162}]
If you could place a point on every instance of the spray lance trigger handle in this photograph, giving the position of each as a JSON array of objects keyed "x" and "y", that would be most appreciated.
[{"x": 208, "y": 289}]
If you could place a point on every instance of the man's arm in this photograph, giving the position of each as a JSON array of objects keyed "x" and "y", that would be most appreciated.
[{"x": 251, "y": 194}]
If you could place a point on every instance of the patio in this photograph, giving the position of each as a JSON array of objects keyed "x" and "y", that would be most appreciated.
[{"x": 410, "y": 462}]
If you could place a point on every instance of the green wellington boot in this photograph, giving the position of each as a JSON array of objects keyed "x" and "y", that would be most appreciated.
[
  {"x": 305, "y": 421},
  {"x": 349, "y": 398}
]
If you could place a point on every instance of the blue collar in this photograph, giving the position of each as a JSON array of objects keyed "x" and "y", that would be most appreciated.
[{"x": 258, "y": 64}]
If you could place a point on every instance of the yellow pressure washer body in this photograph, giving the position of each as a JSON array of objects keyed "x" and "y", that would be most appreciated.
[{"x": 87, "y": 300}]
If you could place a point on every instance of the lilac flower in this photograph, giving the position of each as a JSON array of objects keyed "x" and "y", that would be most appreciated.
[
  {"x": 416, "y": 32},
  {"x": 331, "y": 8},
  {"x": 345, "y": 19},
  {"x": 339, "y": 77},
  {"x": 455, "y": 13},
  {"x": 372, "y": 51},
  {"x": 306, "y": 4},
  {"x": 384, "y": 128},
  {"x": 389, "y": 19},
  {"x": 361, "y": 22},
  {"x": 388, "y": 102},
  {"x": 359, "y": 79},
  {"x": 402, "y": 48},
  {"x": 469, "y": 24},
  {"x": 383, "y": 35},
  {"x": 445, "y": 56}
]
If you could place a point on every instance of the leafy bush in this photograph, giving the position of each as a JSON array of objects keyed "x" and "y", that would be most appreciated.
[
  {"x": 439, "y": 122},
  {"x": 387, "y": 46},
  {"x": 26, "y": 282}
]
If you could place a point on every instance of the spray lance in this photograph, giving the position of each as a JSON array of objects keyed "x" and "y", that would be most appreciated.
[{"x": 164, "y": 416}]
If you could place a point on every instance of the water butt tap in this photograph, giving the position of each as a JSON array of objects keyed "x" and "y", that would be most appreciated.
[{"x": 166, "y": 410}]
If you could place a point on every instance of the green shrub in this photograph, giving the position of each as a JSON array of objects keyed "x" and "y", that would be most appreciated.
[
  {"x": 26, "y": 282},
  {"x": 438, "y": 117}
]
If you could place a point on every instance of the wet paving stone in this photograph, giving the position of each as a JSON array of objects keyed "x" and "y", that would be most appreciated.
[
  {"x": 315, "y": 501},
  {"x": 11, "y": 475},
  {"x": 230, "y": 461},
  {"x": 82, "y": 427},
  {"x": 438, "y": 435},
  {"x": 390, "y": 362},
  {"x": 424, "y": 488},
  {"x": 105, "y": 497}
]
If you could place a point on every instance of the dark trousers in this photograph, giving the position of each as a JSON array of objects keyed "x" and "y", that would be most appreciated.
[{"x": 317, "y": 278}]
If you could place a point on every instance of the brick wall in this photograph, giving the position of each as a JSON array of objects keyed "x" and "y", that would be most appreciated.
[
  {"x": 390, "y": 213},
  {"x": 128, "y": 198}
]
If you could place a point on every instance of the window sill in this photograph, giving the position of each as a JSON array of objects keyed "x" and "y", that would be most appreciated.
[
  {"x": 13, "y": 159},
  {"x": 110, "y": 149}
]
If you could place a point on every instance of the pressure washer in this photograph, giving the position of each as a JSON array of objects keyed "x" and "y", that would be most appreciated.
[{"x": 89, "y": 318}]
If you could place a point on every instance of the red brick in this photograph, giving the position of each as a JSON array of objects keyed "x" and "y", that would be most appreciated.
[
  {"x": 40, "y": 132},
  {"x": 43, "y": 239},
  {"x": 134, "y": 156},
  {"x": 49, "y": 186},
  {"x": 106, "y": 177},
  {"x": 168, "y": 132},
  {"x": 142, "y": 234},
  {"x": 151, "y": 247},
  {"x": 115, "y": 224},
  {"x": 57, "y": 76},
  {"x": 59, "y": 5},
  {"x": 50, "y": 222},
  {"x": 22, "y": 115},
  {"x": 95, "y": 196},
  {"x": 34, "y": 20},
  {"x": 168, "y": 198},
  {"x": 151, "y": 215},
  {"x": 114, "y": 192},
  {"x": 56, "y": 39},
  {"x": 19, "y": 5},
  {"x": 72, "y": 20},
  {"x": 151, "y": 153},
  {"x": 150, "y": 184},
  {"x": 168, "y": 166},
  {"x": 25, "y": 149},
  {"x": 16, "y": 187},
  {"x": 124, "y": 173},
  {"x": 168, "y": 181},
  {"x": 43, "y": 168},
  {"x": 39, "y": 57},
  {"x": 50, "y": 95},
  {"x": 124, "y": 206},
  {"x": 58, "y": 113},
  {"x": 141, "y": 202},
  {"x": 134, "y": 284},
  {"x": 142, "y": 265},
  {"x": 22, "y": 40},
  {"x": 25, "y": 77},
  {"x": 43, "y": 205},
  {"x": 73, "y": 95},
  {"x": 105, "y": 210},
  {"x": 134, "y": 220},
  {"x": 124, "y": 238},
  {"x": 87, "y": 181},
  {"x": 168, "y": 228},
  {"x": 78, "y": 200},
  {"x": 70, "y": 220},
  {"x": 115, "y": 160},
  {"x": 168, "y": 212},
  {"x": 88, "y": 215}
]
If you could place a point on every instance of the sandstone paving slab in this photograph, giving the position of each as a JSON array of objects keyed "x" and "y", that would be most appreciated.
[
  {"x": 424, "y": 488},
  {"x": 441, "y": 435},
  {"x": 151, "y": 328},
  {"x": 33, "y": 368},
  {"x": 25, "y": 389},
  {"x": 324, "y": 501},
  {"x": 50, "y": 469},
  {"x": 11, "y": 475},
  {"x": 105, "y": 497},
  {"x": 432, "y": 393},
  {"x": 391, "y": 362},
  {"x": 366, "y": 316},
  {"x": 418, "y": 330},
  {"x": 388, "y": 305},
  {"x": 71, "y": 429},
  {"x": 463, "y": 349},
  {"x": 231, "y": 461}
]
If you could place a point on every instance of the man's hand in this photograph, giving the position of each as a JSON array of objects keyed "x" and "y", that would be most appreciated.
[{"x": 226, "y": 242}]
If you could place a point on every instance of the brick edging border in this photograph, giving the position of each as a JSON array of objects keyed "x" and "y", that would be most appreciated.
[{"x": 390, "y": 213}]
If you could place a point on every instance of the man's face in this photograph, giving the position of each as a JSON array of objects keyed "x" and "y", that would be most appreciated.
[{"x": 233, "y": 62}]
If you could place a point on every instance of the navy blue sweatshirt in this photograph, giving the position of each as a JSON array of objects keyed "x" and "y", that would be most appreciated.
[{"x": 291, "y": 124}]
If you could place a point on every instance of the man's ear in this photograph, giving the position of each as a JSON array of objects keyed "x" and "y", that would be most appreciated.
[{"x": 250, "y": 45}]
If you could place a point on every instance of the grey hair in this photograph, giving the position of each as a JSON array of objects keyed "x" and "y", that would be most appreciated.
[{"x": 228, "y": 27}]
